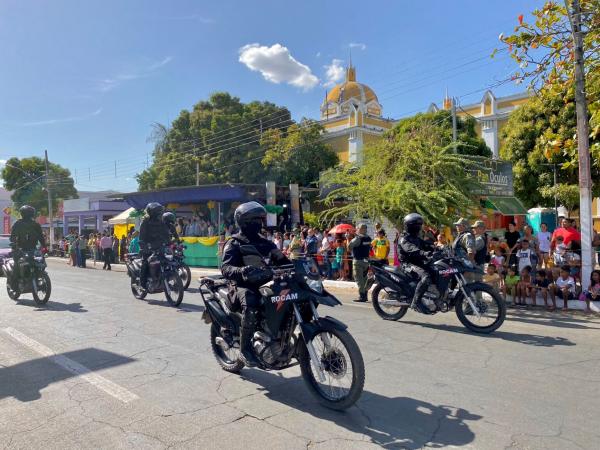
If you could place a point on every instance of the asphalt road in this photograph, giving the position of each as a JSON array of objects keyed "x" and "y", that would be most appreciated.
[{"x": 97, "y": 368}]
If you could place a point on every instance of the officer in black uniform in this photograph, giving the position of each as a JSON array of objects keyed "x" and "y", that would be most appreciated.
[
  {"x": 153, "y": 235},
  {"x": 25, "y": 235},
  {"x": 248, "y": 272},
  {"x": 416, "y": 252},
  {"x": 168, "y": 219}
]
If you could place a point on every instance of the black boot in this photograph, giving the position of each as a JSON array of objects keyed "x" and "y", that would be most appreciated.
[
  {"x": 420, "y": 289},
  {"x": 246, "y": 332}
]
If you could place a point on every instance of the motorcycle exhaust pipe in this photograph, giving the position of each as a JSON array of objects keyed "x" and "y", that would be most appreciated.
[{"x": 219, "y": 315}]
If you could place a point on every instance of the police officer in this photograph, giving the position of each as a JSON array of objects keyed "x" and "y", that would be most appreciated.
[
  {"x": 416, "y": 252},
  {"x": 248, "y": 272},
  {"x": 25, "y": 235},
  {"x": 481, "y": 244},
  {"x": 360, "y": 247},
  {"x": 168, "y": 219},
  {"x": 464, "y": 243},
  {"x": 153, "y": 235}
]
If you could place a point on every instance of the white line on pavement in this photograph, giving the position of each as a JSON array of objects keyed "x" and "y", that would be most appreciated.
[{"x": 118, "y": 392}]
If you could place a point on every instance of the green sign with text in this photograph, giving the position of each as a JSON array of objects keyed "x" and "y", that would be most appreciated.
[{"x": 495, "y": 177}]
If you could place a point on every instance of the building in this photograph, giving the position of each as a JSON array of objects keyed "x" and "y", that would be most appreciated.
[
  {"x": 352, "y": 117},
  {"x": 90, "y": 211}
]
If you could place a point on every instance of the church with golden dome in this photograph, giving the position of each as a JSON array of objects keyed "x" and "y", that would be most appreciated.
[{"x": 352, "y": 117}]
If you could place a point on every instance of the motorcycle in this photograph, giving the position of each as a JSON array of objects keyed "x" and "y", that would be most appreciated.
[
  {"x": 32, "y": 277},
  {"x": 183, "y": 269},
  {"x": 163, "y": 276},
  {"x": 330, "y": 360},
  {"x": 479, "y": 307}
]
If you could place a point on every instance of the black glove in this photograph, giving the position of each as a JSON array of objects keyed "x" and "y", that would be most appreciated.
[{"x": 257, "y": 275}]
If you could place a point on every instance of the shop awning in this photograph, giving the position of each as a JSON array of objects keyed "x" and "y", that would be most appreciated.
[
  {"x": 508, "y": 206},
  {"x": 122, "y": 218}
]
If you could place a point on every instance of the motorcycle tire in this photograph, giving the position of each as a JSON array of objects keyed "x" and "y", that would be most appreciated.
[
  {"x": 138, "y": 293},
  {"x": 41, "y": 296},
  {"x": 358, "y": 370},
  {"x": 463, "y": 309},
  {"x": 232, "y": 365},
  {"x": 173, "y": 288},
  {"x": 375, "y": 299},
  {"x": 12, "y": 293},
  {"x": 186, "y": 275}
]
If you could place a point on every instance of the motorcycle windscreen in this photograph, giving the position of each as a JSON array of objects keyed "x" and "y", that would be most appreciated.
[{"x": 277, "y": 305}]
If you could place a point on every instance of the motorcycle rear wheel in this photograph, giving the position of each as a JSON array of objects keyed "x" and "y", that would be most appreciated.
[
  {"x": 173, "y": 288},
  {"x": 13, "y": 293},
  {"x": 343, "y": 355},
  {"x": 384, "y": 311},
  {"x": 492, "y": 303},
  {"x": 228, "y": 360},
  {"x": 41, "y": 288}
]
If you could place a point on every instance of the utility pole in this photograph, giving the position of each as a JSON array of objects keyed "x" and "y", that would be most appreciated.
[
  {"x": 197, "y": 167},
  {"x": 583, "y": 143},
  {"x": 50, "y": 215},
  {"x": 454, "y": 127},
  {"x": 555, "y": 196}
]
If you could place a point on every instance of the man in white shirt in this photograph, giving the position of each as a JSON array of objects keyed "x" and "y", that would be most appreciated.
[
  {"x": 544, "y": 237},
  {"x": 564, "y": 288}
]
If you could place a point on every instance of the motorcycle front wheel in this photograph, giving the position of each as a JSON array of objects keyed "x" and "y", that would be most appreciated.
[
  {"x": 42, "y": 287},
  {"x": 227, "y": 357},
  {"x": 384, "y": 306},
  {"x": 13, "y": 293},
  {"x": 173, "y": 288},
  {"x": 343, "y": 368},
  {"x": 185, "y": 274},
  {"x": 489, "y": 304},
  {"x": 136, "y": 290}
]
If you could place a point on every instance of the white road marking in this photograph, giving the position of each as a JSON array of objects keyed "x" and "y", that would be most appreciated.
[{"x": 113, "y": 389}]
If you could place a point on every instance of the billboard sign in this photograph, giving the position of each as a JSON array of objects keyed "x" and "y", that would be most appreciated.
[{"x": 495, "y": 177}]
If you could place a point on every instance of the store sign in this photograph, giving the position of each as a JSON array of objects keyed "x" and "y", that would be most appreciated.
[
  {"x": 495, "y": 177},
  {"x": 6, "y": 225}
]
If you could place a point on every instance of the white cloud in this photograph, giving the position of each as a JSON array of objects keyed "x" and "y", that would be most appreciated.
[
  {"x": 61, "y": 120},
  {"x": 358, "y": 45},
  {"x": 108, "y": 84},
  {"x": 334, "y": 72},
  {"x": 277, "y": 65}
]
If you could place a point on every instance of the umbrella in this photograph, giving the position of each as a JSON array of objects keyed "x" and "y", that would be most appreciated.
[{"x": 342, "y": 228}]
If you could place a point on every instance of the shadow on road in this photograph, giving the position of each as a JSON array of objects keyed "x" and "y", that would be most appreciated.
[
  {"x": 24, "y": 381},
  {"x": 183, "y": 307},
  {"x": 522, "y": 338},
  {"x": 551, "y": 320},
  {"x": 389, "y": 422},
  {"x": 52, "y": 306}
]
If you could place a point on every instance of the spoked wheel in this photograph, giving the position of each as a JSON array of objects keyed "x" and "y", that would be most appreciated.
[
  {"x": 13, "y": 292},
  {"x": 343, "y": 369},
  {"x": 227, "y": 357},
  {"x": 136, "y": 290},
  {"x": 41, "y": 288},
  {"x": 491, "y": 309},
  {"x": 173, "y": 288},
  {"x": 386, "y": 307},
  {"x": 185, "y": 274}
]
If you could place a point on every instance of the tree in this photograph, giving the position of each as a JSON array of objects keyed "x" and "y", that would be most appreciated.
[
  {"x": 414, "y": 168},
  {"x": 298, "y": 154},
  {"x": 222, "y": 135},
  {"x": 27, "y": 179}
]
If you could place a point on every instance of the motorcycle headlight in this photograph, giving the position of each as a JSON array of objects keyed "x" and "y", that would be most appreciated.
[{"x": 314, "y": 285}]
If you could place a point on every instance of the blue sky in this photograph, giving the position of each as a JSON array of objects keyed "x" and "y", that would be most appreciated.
[{"x": 86, "y": 79}]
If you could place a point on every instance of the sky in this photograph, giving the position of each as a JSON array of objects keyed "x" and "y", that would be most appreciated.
[{"x": 86, "y": 80}]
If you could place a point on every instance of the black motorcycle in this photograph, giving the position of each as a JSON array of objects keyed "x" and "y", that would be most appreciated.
[
  {"x": 183, "y": 269},
  {"x": 29, "y": 275},
  {"x": 163, "y": 276},
  {"x": 479, "y": 307},
  {"x": 330, "y": 360}
]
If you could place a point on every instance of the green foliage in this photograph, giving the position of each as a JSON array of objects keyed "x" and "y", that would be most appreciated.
[
  {"x": 297, "y": 154},
  {"x": 414, "y": 169},
  {"x": 27, "y": 178},
  {"x": 222, "y": 135},
  {"x": 566, "y": 194},
  {"x": 312, "y": 220}
]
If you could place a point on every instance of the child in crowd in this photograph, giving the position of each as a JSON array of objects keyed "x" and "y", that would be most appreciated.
[
  {"x": 558, "y": 258},
  {"x": 510, "y": 283},
  {"x": 564, "y": 287},
  {"x": 491, "y": 277},
  {"x": 592, "y": 293},
  {"x": 339, "y": 259},
  {"x": 498, "y": 259},
  {"x": 540, "y": 284},
  {"x": 524, "y": 286}
]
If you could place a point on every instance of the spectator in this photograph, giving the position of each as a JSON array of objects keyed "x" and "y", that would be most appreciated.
[
  {"x": 564, "y": 288},
  {"x": 481, "y": 244},
  {"x": 285, "y": 246},
  {"x": 106, "y": 244},
  {"x": 510, "y": 283},
  {"x": 278, "y": 241},
  {"x": 381, "y": 246},
  {"x": 76, "y": 254},
  {"x": 180, "y": 227},
  {"x": 498, "y": 259},
  {"x": 115, "y": 248},
  {"x": 340, "y": 257},
  {"x": 540, "y": 284},
  {"x": 296, "y": 246},
  {"x": 123, "y": 245},
  {"x": 360, "y": 247},
  {"x": 134, "y": 244},
  {"x": 491, "y": 277},
  {"x": 512, "y": 236},
  {"x": 441, "y": 241},
  {"x": 211, "y": 229},
  {"x": 558, "y": 257},
  {"x": 544, "y": 238},
  {"x": 596, "y": 244},
  {"x": 62, "y": 247},
  {"x": 496, "y": 245},
  {"x": 325, "y": 252},
  {"x": 524, "y": 286},
  {"x": 82, "y": 245},
  {"x": 567, "y": 231},
  {"x": 311, "y": 244},
  {"x": 533, "y": 242},
  {"x": 526, "y": 257},
  {"x": 396, "y": 240},
  {"x": 592, "y": 294}
]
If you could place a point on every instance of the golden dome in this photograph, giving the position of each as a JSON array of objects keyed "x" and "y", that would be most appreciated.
[{"x": 350, "y": 88}]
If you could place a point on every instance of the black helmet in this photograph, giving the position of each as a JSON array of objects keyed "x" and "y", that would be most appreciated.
[
  {"x": 154, "y": 210},
  {"x": 249, "y": 217},
  {"x": 27, "y": 212},
  {"x": 168, "y": 217},
  {"x": 413, "y": 223}
]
